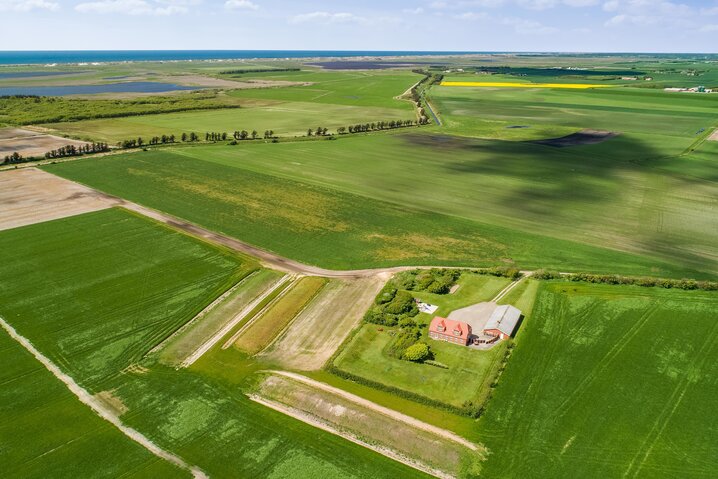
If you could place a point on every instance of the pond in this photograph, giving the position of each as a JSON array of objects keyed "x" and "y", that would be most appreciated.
[{"x": 124, "y": 87}]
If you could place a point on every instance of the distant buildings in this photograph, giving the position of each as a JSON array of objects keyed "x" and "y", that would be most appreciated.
[{"x": 695, "y": 89}]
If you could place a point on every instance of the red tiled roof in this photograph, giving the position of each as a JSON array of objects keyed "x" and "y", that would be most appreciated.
[{"x": 451, "y": 327}]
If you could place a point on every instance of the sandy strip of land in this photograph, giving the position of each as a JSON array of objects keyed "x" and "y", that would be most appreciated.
[
  {"x": 312, "y": 421},
  {"x": 31, "y": 144},
  {"x": 508, "y": 288},
  {"x": 98, "y": 406},
  {"x": 30, "y": 196},
  {"x": 317, "y": 332},
  {"x": 714, "y": 136},
  {"x": 380, "y": 409},
  {"x": 207, "y": 345}
]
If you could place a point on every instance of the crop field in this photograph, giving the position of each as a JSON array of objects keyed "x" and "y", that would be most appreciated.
[
  {"x": 45, "y": 428},
  {"x": 119, "y": 308},
  {"x": 202, "y": 328},
  {"x": 481, "y": 84},
  {"x": 469, "y": 371},
  {"x": 364, "y": 89},
  {"x": 608, "y": 381},
  {"x": 318, "y": 331},
  {"x": 97, "y": 294},
  {"x": 356, "y": 232},
  {"x": 279, "y": 314},
  {"x": 284, "y": 118},
  {"x": 32, "y": 196},
  {"x": 340, "y": 412}
]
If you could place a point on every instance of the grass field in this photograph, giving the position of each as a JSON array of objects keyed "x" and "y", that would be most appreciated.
[
  {"x": 130, "y": 284},
  {"x": 45, "y": 428},
  {"x": 279, "y": 314},
  {"x": 84, "y": 300},
  {"x": 188, "y": 340},
  {"x": 284, "y": 118},
  {"x": 338, "y": 229},
  {"x": 477, "y": 84},
  {"x": 469, "y": 371},
  {"x": 608, "y": 381}
]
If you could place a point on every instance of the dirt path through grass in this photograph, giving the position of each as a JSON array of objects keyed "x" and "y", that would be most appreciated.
[
  {"x": 99, "y": 407},
  {"x": 381, "y": 409}
]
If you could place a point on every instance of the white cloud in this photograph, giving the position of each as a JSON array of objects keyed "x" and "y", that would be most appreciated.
[
  {"x": 327, "y": 17},
  {"x": 414, "y": 11},
  {"x": 27, "y": 5},
  {"x": 471, "y": 16},
  {"x": 240, "y": 5},
  {"x": 650, "y": 13},
  {"x": 709, "y": 28},
  {"x": 131, "y": 7},
  {"x": 527, "y": 27}
]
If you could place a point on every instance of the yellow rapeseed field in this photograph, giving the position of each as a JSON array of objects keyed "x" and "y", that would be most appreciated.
[{"x": 579, "y": 86}]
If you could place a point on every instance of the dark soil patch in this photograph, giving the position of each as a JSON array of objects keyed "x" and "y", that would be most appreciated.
[
  {"x": 365, "y": 65},
  {"x": 583, "y": 137},
  {"x": 514, "y": 127}
]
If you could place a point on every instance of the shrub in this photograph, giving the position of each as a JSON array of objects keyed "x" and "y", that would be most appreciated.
[
  {"x": 403, "y": 302},
  {"x": 417, "y": 352},
  {"x": 386, "y": 294}
]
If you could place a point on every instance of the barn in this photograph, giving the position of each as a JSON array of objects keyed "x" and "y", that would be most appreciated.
[
  {"x": 443, "y": 329},
  {"x": 502, "y": 322}
]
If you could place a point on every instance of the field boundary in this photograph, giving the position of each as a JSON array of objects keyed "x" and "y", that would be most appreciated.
[
  {"x": 98, "y": 407},
  {"x": 319, "y": 424},
  {"x": 207, "y": 345}
]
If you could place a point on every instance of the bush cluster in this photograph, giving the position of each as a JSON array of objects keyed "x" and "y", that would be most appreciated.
[
  {"x": 391, "y": 307},
  {"x": 685, "y": 284},
  {"x": 437, "y": 281}
]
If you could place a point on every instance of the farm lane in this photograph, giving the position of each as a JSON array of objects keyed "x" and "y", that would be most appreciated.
[{"x": 98, "y": 406}]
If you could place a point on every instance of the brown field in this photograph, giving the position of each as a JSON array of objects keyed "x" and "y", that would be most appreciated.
[
  {"x": 324, "y": 324},
  {"x": 714, "y": 136},
  {"x": 30, "y": 143},
  {"x": 29, "y": 196}
]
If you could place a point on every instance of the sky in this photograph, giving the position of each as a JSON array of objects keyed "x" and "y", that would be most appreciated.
[{"x": 433, "y": 25}]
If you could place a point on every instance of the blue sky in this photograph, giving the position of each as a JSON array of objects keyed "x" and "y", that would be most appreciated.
[{"x": 477, "y": 25}]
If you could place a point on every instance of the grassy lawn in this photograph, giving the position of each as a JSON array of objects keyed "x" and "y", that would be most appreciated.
[
  {"x": 278, "y": 315},
  {"x": 608, "y": 381},
  {"x": 469, "y": 371},
  {"x": 46, "y": 428},
  {"x": 329, "y": 227}
]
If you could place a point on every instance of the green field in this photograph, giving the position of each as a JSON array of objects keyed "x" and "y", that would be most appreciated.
[
  {"x": 327, "y": 227},
  {"x": 608, "y": 381},
  {"x": 95, "y": 305},
  {"x": 284, "y": 118},
  {"x": 469, "y": 371},
  {"x": 46, "y": 428},
  {"x": 271, "y": 322}
]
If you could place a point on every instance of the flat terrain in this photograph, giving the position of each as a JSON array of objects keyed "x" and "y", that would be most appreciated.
[
  {"x": 265, "y": 328},
  {"x": 32, "y": 196},
  {"x": 45, "y": 428},
  {"x": 318, "y": 331},
  {"x": 122, "y": 306},
  {"x": 338, "y": 229},
  {"x": 469, "y": 371},
  {"x": 608, "y": 381},
  {"x": 30, "y": 143}
]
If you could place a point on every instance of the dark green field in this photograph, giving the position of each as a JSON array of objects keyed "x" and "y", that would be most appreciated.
[
  {"x": 608, "y": 381},
  {"x": 328, "y": 227},
  {"x": 96, "y": 305}
]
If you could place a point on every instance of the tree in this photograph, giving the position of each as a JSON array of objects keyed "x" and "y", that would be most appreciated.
[
  {"x": 254, "y": 134},
  {"x": 184, "y": 136},
  {"x": 341, "y": 130},
  {"x": 309, "y": 132},
  {"x": 417, "y": 352}
]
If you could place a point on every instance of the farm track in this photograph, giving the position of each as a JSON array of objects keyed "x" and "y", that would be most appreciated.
[
  {"x": 380, "y": 409},
  {"x": 207, "y": 345},
  {"x": 99, "y": 407}
]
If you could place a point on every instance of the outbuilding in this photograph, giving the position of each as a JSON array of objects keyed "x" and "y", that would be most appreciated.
[{"x": 502, "y": 322}]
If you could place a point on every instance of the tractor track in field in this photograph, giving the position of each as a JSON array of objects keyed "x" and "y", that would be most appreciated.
[{"x": 98, "y": 406}]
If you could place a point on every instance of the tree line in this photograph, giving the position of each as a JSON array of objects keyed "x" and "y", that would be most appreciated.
[
  {"x": 14, "y": 157},
  {"x": 73, "y": 150},
  {"x": 258, "y": 70}
]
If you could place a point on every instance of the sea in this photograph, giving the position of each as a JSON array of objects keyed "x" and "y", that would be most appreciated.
[{"x": 105, "y": 56}]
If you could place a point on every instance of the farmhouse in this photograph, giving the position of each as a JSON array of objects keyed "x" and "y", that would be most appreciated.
[
  {"x": 502, "y": 322},
  {"x": 444, "y": 329}
]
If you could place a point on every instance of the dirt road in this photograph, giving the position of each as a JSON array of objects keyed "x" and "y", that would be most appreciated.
[
  {"x": 99, "y": 407},
  {"x": 380, "y": 409},
  {"x": 312, "y": 421}
]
